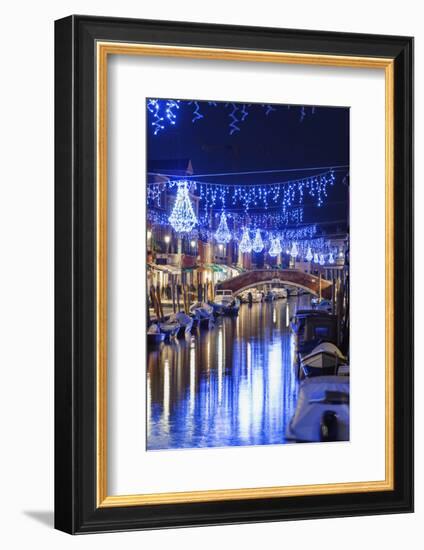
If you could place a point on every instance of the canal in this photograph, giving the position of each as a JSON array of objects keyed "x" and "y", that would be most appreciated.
[{"x": 228, "y": 386}]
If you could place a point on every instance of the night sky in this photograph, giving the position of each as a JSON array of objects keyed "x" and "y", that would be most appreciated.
[{"x": 278, "y": 140}]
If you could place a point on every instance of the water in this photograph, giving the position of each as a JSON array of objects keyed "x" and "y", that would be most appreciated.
[{"x": 231, "y": 385}]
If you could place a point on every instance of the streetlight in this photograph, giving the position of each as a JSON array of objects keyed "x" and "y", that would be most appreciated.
[
  {"x": 193, "y": 244},
  {"x": 167, "y": 240}
]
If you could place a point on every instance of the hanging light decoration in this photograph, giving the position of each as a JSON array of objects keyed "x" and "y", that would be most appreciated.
[
  {"x": 309, "y": 255},
  {"x": 245, "y": 244},
  {"x": 331, "y": 258},
  {"x": 275, "y": 247},
  {"x": 258, "y": 244},
  {"x": 321, "y": 259},
  {"x": 223, "y": 235},
  {"x": 286, "y": 194},
  {"x": 163, "y": 112},
  {"x": 183, "y": 218},
  {"x": 294, "y": 250},
  {"x": 316, "y": 259}
]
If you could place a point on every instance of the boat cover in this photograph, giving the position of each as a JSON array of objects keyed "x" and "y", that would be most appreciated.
[{"x": 313, "y": 401}]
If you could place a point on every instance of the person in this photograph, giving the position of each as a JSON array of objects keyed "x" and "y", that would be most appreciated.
[{"x": 250, "y": 298}]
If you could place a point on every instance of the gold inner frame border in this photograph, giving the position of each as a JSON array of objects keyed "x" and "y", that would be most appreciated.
[{"x": 103, "y": 50}]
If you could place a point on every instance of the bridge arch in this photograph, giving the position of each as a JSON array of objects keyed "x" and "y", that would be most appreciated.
[{"x": 292, "y": 277}]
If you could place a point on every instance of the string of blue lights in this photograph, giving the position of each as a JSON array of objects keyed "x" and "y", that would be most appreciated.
[{"x": 162, "y": 112}]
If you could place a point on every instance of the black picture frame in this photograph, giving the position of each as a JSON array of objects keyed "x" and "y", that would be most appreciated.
[{"x": 76, "y": 508}]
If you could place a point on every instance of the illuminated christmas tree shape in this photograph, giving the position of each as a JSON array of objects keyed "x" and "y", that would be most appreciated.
[
  {"x": 309, "y": 255},
  {"x": 223, "y": 235},
  {"x": 182, "y": 218},
  {"x": 294, "y": 250},
  {"x": 321, "y": 259},
  {"x": 331, "y": 258},
  {"x": 316, "y": 260},
  {"x": 245, "y": 243},
  {"x": 258, "y": 244},
  {"x": 275, "y": 247}
]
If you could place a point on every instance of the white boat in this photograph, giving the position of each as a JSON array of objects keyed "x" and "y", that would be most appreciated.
[
  {"x": 322, "y": 412},
  {"x": 185, "y": 322},
  {"x": 169, "y": 328},
  {"x": 293, "y": 291},
  {"x": 154, "y": 335},
  {"x": 203, "y": 312},
  {"x": 279, "y": 293},
  {"x": 225, "y": 303},
  {"x": 255, "y": 296},
  {"x": 324, "y": 359}
]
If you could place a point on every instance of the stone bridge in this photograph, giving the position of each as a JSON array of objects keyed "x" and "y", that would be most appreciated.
[{"x": 291, "y": 277}]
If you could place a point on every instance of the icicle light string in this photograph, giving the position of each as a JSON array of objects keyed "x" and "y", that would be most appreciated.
[
  {"x": 163, "y": 116},
  {"x": 252, "y": 196}
]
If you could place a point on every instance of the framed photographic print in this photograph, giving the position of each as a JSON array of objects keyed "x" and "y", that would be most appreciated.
[{"x": 234, "y": 259}]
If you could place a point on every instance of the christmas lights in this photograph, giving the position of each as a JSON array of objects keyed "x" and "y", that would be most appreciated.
[
  {"x": 282, "y": 194},
  {"x": 153, "y": 106},
  {"x": 309, "y": 255},
  {"x": 223, "y": 234},
  {"x": 234, "y": 120},
  {"x": 197, "y": 115},
  {"x": 170, "y": 106},
  {"x": 245, "y": 244},
  {"x": 183, "y": 218},
  {"x": 164, "y": 114},
  {"x": 294, "y": 250},
  {"x": 258, "y": 244},
  {"x": 275, "y": 247}
]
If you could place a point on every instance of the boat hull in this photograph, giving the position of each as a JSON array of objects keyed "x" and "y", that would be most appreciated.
[
  {"x": 155, "y": 339},
  {"x": 184, "y": 329},
  {"x": 170, "y": 331}
]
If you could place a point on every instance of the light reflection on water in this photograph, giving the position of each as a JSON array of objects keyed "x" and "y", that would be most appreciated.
[{"x": 231, "y": 385}]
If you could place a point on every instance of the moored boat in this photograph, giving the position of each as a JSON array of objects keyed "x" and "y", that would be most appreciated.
[
  {"x": 154, "y": 335},
  {"x": 311, "y": 328},
  {"x": 203, "y": 312},
  {"x": 324, "y": 359},
  {"x": 169, "y": 329},
  {"x": 225, "y": 303},
  {"x": 251, "y": 295},
  {"x": 324, "y": 305},
  {"x": 185, "y": 323},
  {"x": 279, "y": 293},
  {"x": 293, "y": 291},
  {"x": 269, "y": 296},
  {"x": 322, "y": 412}
]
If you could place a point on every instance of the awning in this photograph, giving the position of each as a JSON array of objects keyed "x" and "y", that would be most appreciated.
[
  {"x": 215, "y": 268},
  {"x": 165, "y": 268}
]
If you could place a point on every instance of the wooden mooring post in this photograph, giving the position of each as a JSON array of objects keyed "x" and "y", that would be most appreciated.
[{"x": 174, "y": 307}]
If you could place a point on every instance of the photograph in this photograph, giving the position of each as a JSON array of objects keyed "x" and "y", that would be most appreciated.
[{"x": 247, "y": 273}]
